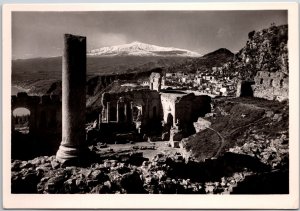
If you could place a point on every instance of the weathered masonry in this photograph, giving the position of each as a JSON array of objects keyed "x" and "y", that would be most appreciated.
[
  {"x": 142, "y": 107},
  {"x": 244, "y": 88},
  {"x": 150, "y": 109},
  {"x": 271, "y": 85},
  {"x": 45, "y": 112}
]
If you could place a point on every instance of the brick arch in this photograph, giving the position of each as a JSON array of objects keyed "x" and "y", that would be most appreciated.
[
  {"x": 25, "y": 101},
  {"x": 16, "y": 119},
  {"x": 38, "y": 107},
  {"x": 22, "y": 100},
  {"x": 170, "y": 120}
]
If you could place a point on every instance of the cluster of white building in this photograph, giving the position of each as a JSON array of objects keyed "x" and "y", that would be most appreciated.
[{"x": 207, "y": 83}]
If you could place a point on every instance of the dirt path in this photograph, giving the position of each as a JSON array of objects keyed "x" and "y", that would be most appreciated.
[
  {"x": 252, "y": 123},
  {"x": 222, "y": 141},
  {"x": 222, "y": 138}
]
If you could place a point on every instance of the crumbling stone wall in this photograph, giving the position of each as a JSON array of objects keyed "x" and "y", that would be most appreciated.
[
  {"x": 142, "y": 106},
  {"x": 244, "y": 88},
  {"x": 188, "y": 108},
  {"x": 184, "y": 109},
  {"x": 148, "y": 107},
  {"x": 271, "y": 85},
  {"x": 155, "y": 81},
  {"x": 45, "y": 112},
  {"x": 168, "y": 108}
]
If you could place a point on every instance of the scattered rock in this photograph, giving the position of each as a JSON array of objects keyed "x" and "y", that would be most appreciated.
[
  {"x": 277, "y": 117},
  {"x": 269, "y": 114},
  {"x": 55, "y": 164},
  {"x": 55, "y": 184},
  {"x": 201, "y": 124}
]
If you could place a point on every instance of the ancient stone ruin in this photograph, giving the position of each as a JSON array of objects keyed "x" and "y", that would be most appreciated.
[
  {"x": 45, "y": 112},
  {"x": 244, "y": 88},
  {"x": 73, "y": 144},
  {"x": 271, "y": 85},
  {"x": 121, "y": 109},
  {"x": 155, "y": 81},
  {"x": 152, "y": 111}
]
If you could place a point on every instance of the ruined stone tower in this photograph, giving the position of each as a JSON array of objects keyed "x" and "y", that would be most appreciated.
[
  {"x": 73, "y": 99},
  {"x": 155, "y": 81}
]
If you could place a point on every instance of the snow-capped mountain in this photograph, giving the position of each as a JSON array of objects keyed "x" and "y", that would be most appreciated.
[{"x": 141, "y": 49}]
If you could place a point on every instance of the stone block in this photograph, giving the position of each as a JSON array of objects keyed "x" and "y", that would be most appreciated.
[
  {"x": 201, "y": 124},
  {"x": 175, "y": 144}
]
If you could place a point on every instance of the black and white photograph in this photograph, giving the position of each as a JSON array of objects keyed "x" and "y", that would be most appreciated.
[{"x": 187, "y": 102}]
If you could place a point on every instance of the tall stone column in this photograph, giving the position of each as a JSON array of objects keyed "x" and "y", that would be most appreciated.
[{"x": 73, "y": 143}]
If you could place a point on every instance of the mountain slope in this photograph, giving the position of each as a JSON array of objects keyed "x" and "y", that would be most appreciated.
[
  {"x": 265, "y": 50},
  {"x": 205, "y": 63},
  {"x": 221, "y": 55},
  {"x": 141, "y": 49},
  {"x": 39, "y": 73}
]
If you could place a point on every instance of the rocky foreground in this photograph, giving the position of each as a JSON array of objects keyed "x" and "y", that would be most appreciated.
[
  {"x": 130, "y": 172},
  {"x": 245, "y": 151}
]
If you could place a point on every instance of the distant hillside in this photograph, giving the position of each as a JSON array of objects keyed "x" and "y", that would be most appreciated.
[
  {"x": 205, "y": 63},
  {"x": 221, "y": 55},
  {"x": 96, "y": 84},
  {"x": 39, "y": 74},
  {"x": 120, "y": 59},
  {"x": 265, "y": 50}
]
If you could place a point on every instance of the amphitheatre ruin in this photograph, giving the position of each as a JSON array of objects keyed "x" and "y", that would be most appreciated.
[{"x": 148, "y": 138}]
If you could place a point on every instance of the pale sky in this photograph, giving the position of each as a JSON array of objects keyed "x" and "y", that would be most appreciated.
[{"x": 40, "y": 34}]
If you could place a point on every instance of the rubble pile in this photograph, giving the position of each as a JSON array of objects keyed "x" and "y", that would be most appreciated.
[
  {"x": 227, "y": 184},
  {"x": 46, "y": 175},
  {"x": 164, "y": 174},
  {"x": 268, "y": 140},
  {"x": 269, "y": 151}
]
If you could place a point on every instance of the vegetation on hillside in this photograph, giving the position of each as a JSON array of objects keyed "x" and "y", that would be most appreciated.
[
  {"x": 265, "y": 50},
  {"x": 204, "y": 64}
]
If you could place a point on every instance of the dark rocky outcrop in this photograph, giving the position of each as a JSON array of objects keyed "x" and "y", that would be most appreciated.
[
  {"x": 265, "y": 50},
  {"x": 205, "y": 63}
]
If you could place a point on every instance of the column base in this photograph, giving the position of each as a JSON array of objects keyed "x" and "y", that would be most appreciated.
[{"x": 73, "y": 155}]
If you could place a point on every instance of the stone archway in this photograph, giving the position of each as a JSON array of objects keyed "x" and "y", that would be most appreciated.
[
  {"x": 22, "y": 100},
  {"x": 170, "y": 120},
  {"x": 45, "y": 112},
  {"x": 21, "y": 120},
  {"x": 244, "y": 89}
]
